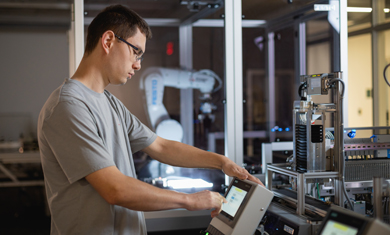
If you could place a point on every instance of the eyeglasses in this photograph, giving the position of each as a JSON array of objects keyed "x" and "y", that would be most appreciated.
[{"x": 137, "y": 51}]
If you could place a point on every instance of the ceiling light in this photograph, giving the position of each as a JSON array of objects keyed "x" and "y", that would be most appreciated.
[
  {"x": 359, "y": 9},
  {"x": 189, "y": 183}
]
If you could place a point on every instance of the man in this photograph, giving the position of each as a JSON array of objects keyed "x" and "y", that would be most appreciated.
[{"x": 87, "y": 137}]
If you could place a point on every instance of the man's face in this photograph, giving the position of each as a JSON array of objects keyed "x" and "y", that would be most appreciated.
[{"x": 126, "y": 59}]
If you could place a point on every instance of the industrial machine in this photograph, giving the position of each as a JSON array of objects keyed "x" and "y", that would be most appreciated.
[
  {"x": 330, "y": 165},
  {"x": 246, "y": 206},
  {"x": 153, "y": 82},
  {"x": 342, "y": 221}
]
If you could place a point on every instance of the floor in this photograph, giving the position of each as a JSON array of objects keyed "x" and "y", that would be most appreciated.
[
  {"x": 41, "y": 226},
  {"x": 22, "y": 211}
]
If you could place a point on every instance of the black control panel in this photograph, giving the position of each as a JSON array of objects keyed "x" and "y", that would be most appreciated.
[{"x": 276, "y": 225}]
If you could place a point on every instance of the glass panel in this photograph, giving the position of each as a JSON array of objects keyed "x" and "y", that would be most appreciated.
[
  {"x": 360, "y": 81},
  {"x": 208, "y": 53},
  {"x": 382, "y": 14},
  {"x": 387, "y": 11},
  {"x": 387, "y": 62},
  {"x": 254, "y": 85},
  {"x": 163, "y": 51},
  {"x": 319, "y": 47},
  {"x": 383, "y": 58},
  {"x": 360, "y": 16},
  {"x": 284, "y": 83},
  {"x": 270, "y": 9}
]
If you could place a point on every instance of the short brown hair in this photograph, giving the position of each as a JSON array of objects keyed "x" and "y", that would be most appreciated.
[{"x": 121, "y": 20}]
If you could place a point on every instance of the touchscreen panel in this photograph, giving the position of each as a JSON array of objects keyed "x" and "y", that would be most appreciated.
[
  {"x": 235, "y": 198},
  {"x": 333, "y": 227}
]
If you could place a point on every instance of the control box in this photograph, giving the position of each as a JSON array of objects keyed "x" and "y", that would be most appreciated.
[{"x": 246, "y": 206}]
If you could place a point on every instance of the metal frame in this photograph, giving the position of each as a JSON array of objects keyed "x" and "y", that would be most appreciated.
[
  {"x": 301, "y": 180},
  {"x": 233, "y": 82},
  {"x": 270, "y": 65},
  {"x": 378, "y": 85},
  {"x": 212, "y": 137},
  {"x": 380, "y": 88},
  {"x": 302, "y": 52},
  {"x": 344, "y": 54},
  {"x": 17, "y": 158},
  {"x": 186, "y": 95},
  {"x": 76, "y": 36},
  {"x": 268, "y": 148}
]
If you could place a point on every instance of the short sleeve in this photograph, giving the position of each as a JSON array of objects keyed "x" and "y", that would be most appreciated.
[
  {"x": 140, "y": 135},
  {"x": 73, "y": 136}
]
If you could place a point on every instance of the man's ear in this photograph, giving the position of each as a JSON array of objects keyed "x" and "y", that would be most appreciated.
[{"x": 107, "y": 40}]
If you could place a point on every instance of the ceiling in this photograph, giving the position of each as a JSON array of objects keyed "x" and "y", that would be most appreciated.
[{"x": 57, "y": 14}]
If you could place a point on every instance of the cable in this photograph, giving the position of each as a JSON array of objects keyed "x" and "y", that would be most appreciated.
[
  {"x": 384, "y": 74},
  {"x": 329, "y": 135},
  {"x": 318, "y": 191},
  {"x": 214, "y": 75},
  {"x": 338, "y": 79},
  {"x": 303, "y": 85},
  {"x": 343, "y": 158}
]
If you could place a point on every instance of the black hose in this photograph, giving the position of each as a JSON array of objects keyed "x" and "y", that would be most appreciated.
[
  {"x": 384, "y": 74},
  {"x": 300, "y": 89},
  {"x": 338, "y": 79}
]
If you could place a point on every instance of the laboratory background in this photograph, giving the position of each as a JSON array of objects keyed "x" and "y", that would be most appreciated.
[{"x": 295, "y": 91}]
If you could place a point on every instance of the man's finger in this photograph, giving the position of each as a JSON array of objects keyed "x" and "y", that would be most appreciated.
[{"x": 254, "y": 179}]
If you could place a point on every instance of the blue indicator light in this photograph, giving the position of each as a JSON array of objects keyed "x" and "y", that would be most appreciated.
[
  {"x": 273, "y": 129},
  {"x": 352, "y": 134},
  {"x": 280, "y": 129},
  {"x": 287, "y": 129}
]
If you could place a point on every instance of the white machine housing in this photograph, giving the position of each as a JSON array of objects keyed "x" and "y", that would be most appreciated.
[
  {"x": 342, "y": 221},
  {"x": 247, "y": 217},
  {"x": 155, "y": 79}
]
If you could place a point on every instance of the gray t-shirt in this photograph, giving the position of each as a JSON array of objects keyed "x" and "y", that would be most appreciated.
[{"x": 79, "y": 132}]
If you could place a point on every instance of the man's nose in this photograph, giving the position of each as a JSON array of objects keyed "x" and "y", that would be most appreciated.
[{"x": 137, "y": 65}]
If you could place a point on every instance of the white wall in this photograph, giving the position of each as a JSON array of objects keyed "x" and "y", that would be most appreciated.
[
  {"x": 360, "y": 81},
  {"x": 33, "y": 64}
]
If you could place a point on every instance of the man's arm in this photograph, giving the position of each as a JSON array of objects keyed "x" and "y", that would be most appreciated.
[
  {"x": 183, "y": 155},
  {"x": 119, "y": 189}
]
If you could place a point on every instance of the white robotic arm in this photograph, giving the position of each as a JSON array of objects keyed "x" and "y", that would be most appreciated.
[{"x": 154, "y": 80}]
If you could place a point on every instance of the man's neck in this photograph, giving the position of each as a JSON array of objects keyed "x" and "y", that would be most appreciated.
[{"x": 90, "y": 75}]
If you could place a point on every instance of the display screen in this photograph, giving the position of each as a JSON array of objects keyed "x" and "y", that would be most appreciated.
[
  {"x": 235, "y": 197},
  {"x": 332, "y": 227}
]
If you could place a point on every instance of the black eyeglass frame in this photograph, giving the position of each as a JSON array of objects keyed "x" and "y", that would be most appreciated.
[{"x": 137, "y": 50}]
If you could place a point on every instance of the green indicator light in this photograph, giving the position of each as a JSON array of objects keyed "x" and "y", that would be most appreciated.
[{"x": 207, "y": 233}]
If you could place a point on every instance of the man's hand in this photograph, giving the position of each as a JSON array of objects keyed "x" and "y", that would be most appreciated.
[
  {"x": 232, "y": 169},
  {"x": 206, "y": 200}
]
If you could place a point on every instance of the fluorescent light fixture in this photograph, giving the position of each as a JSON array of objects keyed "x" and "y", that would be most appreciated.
[
  {"x": 364, "y": 9},
  {"x": 359, "y": 9},
  {"x": 189, "y": 183},
  {"x": 329, "y": 7}
]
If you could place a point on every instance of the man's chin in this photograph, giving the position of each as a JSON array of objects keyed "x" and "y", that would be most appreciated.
[{"x": 121, "y": 83}]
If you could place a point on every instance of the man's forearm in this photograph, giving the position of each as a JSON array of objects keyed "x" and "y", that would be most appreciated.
[
  {"x": 119, "y": 189},
  {"x": 179, "y": 154},
  {"x": 140, "y": 196}
]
